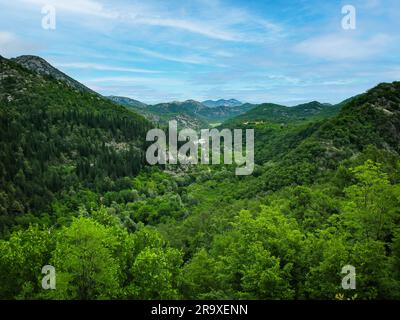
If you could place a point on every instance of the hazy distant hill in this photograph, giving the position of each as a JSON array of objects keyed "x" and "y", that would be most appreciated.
[
  {"x": 222, "y": 103},
  {"x": 128, "y": 102},
  {"x": 189, "y": 114},
  {"x": 275, "y": 113},
  {"x": 200, "y": 111},
  {"x": 223, "y": 113}
]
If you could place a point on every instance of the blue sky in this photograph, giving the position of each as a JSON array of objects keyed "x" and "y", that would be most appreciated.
[{"x": 282, "y": 51}]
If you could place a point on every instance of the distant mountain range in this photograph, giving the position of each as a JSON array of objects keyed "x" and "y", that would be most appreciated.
[
  {"x": 195, "y": 114},
  {"x": 222, "y": 103},
  {"x": 189, "y": 113}
]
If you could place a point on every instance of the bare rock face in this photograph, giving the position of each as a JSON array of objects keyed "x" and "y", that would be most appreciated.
[
  {"x": 42, "y": 67},
  {"x": 128, "y": 102}
]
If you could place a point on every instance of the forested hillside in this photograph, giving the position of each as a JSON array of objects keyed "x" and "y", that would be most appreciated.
[
  {"x": 56, "y": 138},
  {"x": 325, "y": 193},
  {"x": 275, "y": 113}
]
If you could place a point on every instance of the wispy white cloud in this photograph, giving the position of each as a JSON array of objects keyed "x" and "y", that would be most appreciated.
[
  {"x": 283, "y": 78},
  {"x": 192, "y": 59},
  {"x": 214, "y": 20},
  {"x": 11, "y": 45},
  {"x": 102, "y": 67},
  {"x": 210, "y": 29},
  {"x": 371, "y": 4},
  {"x": 339, "y": 82},
  {"x": 6, "y": 38},
  {"x": 84, "y": 7},
  {"x": 165, "y": 81},
  {"x": 220, "y": 23},
  {"x": 340, "y": 46},
  {"x": 190, "y": 26}
]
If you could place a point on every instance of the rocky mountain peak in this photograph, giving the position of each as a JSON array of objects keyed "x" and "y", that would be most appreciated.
[{"x": 42, "y": 67}]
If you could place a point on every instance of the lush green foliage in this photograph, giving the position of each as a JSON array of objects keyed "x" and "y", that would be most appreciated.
[
  {"x": 217, "y": 241},
  {"x": 275, "y": 113}
]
